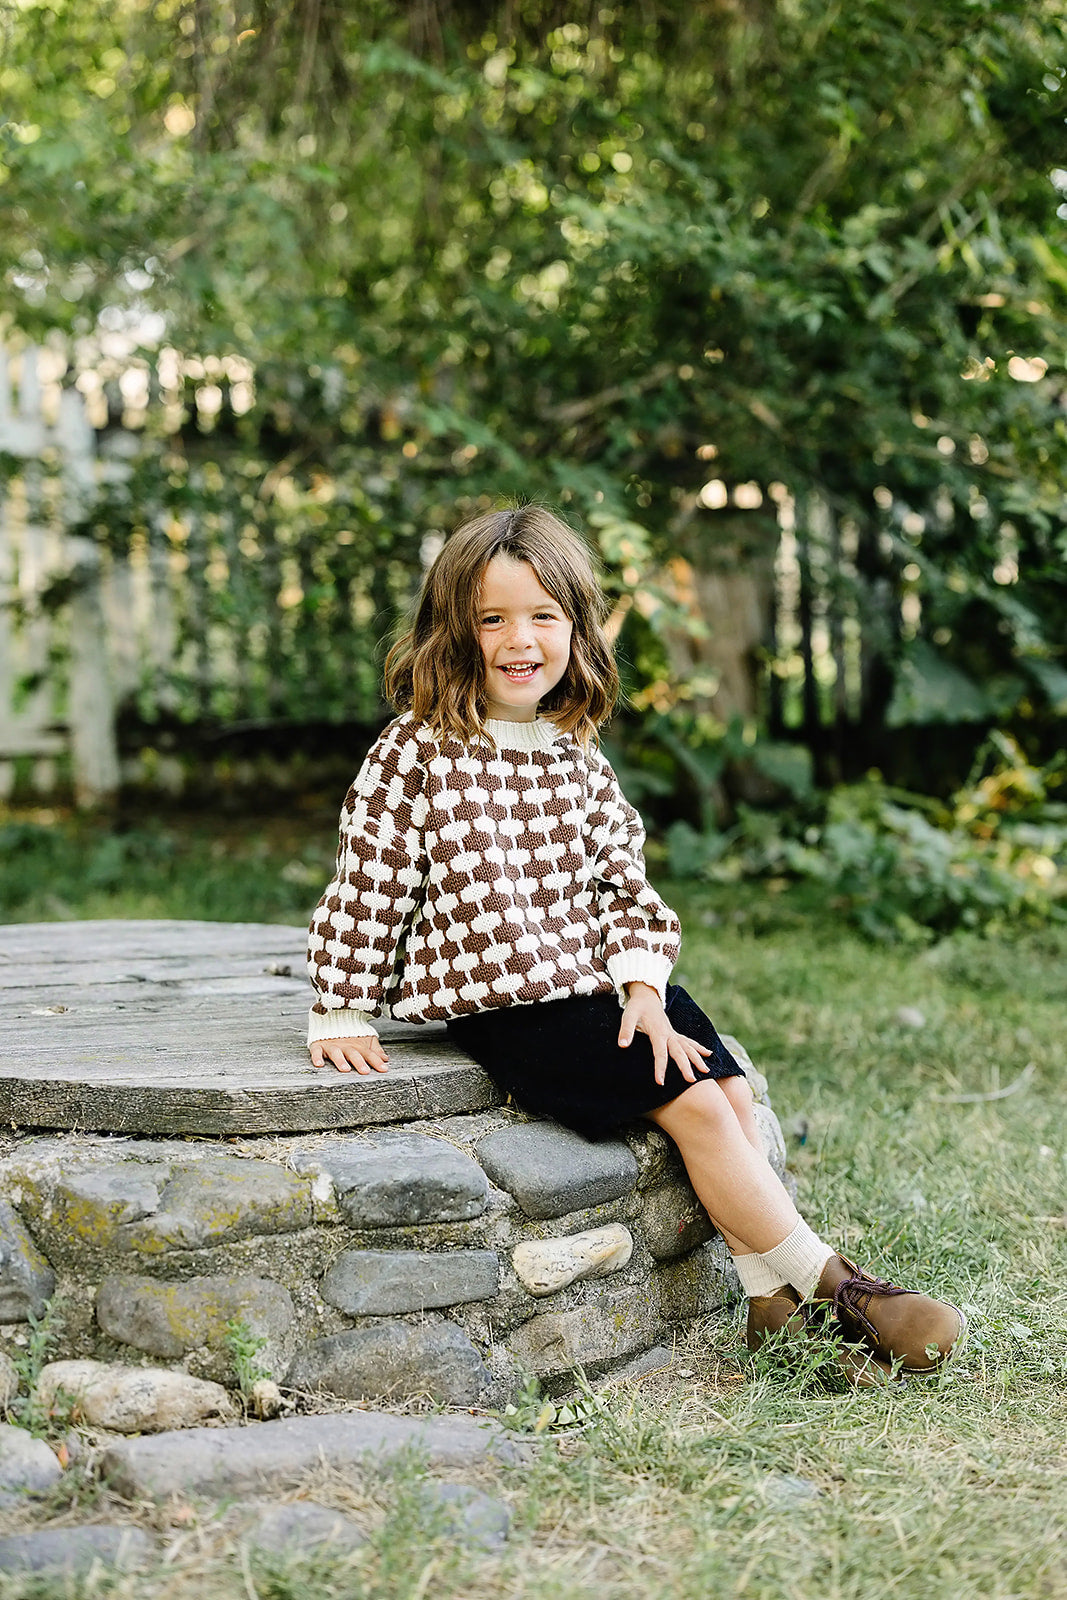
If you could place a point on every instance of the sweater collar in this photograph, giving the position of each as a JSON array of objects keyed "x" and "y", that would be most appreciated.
[{"x": 541, "y": 734}]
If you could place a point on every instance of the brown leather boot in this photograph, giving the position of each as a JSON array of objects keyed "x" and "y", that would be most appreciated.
[
  {"x": 782, "y": 1313},
  {"x": 897, "y": 1325}
]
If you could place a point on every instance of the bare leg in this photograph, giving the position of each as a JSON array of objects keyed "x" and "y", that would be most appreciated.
[
  {"x": 736, "y": 1184},
  {"x": 739, "y": 1095}
]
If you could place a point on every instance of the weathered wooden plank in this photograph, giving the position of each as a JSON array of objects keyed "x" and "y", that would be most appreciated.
[
  {"x": 17, "y": 974},
  {"x": 175, "y": 1093},
  {"x": 148, "y": 937},
  {"x": 182, "y": 1028},
  {"x": 191, "y": 1108},
  {"x": 268, "y": 1059},
  {"x": 240, "y": 995},
  {"x": 43, "y": 1016}
]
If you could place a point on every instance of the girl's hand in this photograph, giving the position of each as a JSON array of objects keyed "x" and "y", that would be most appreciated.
[
  {"x": 644, "y": 1013},
  {"x": 365, "y": 1054}
]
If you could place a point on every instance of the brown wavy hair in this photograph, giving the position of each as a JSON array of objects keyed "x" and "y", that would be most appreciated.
[{"x": 436, "y": 669}]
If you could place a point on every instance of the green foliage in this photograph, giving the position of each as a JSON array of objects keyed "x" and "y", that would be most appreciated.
[
  {"x": 30, "y": 1361},
  {"x": 472, "y": 253},
  {"x": 244, "y": 1347},
  {"x": 532, "y": 1412},
  {"x": 900, "y": 866},
  {"x": 224, "y": 871}
]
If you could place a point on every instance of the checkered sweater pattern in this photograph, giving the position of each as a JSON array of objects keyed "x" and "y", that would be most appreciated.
[{"x": 468, "y": 879}]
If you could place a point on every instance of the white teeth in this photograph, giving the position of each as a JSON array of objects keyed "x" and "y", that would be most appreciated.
[{"x": 520, "y": 672}]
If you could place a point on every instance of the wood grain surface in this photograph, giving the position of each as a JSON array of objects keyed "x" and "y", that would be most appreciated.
[{"x": 194, "y": 1027}]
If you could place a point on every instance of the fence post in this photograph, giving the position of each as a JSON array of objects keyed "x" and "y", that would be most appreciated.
[{"x": 91, "y": 708}]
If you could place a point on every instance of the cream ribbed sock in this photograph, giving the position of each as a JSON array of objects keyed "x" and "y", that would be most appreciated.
[
  {"x": 799, "y": 1259},
  {"x": 757, "y": 1277}
]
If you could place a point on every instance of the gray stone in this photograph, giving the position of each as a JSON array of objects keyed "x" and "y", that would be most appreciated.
[
  {"x": 27, "y": 1465},
  {"x": 477, "y": 1520},
  {"x": 9, "y": 1381},
  {"x": 770, "y": 1137},
  {"x": 616, "y": 1324},
  {"x": 658, "y": 1359},
  {"x": 75, "y": 1550},
  {"x": 394, "y": 1360},
  {"x": 653, "y": 1151},
  {"x": 910, "y": 1017},
  {"x": 131, "y": 1399},
  {"x": 170, "y": 1319},
  {"x": 398, "y": 1180},
  {"x": 544, "y": 1266},
  {"x": 784, "y": 1490},
  {"x": 27, "y": 1282},
  {"x": 674, "y": 1221},
  {"x": 389, "y": 1282},
  {"x": 303, "y": 1525},
  {"x": 551, "y": 1170},
  {"x": 218, "y": 1200},
  {"x": 88, "y": 1208},
  {"x": 693, "y": 1285},
  {"x": 277, "y": 1455},
  {"x": 756, "y": 1080}
]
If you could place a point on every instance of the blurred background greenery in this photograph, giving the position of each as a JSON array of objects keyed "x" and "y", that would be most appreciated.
[{"x": 768, "y": 296}]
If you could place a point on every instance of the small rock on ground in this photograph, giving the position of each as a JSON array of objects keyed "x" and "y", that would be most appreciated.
[
  {"x": 275, "y": 1455},
  {"x": 27, "y": 1465},
  {"x": 658, "y": 1359},
  {"x": 75, "y": 1549},
  {"x": 132, "y": 1399},
  {"x": 477, "y": 1519},
  {"x": 784, "y": 1490},
  {"x": 303, "y": 1525}
]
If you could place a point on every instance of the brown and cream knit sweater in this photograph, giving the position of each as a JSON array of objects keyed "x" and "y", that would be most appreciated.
[{"x": 468, "y": 879}]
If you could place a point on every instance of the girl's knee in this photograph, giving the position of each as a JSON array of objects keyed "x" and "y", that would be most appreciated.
[
  {"x": 704, "y": 1104},
  {"x": 739, "y": 1093}
]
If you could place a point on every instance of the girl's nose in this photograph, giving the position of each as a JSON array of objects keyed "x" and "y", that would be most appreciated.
[{"x": 519, "y": 635}]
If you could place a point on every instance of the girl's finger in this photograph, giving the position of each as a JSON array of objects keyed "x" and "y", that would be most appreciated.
[{"x": 681, "y": 1058}]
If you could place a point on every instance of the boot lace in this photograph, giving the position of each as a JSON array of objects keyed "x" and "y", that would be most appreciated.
[{"x": 853, "y": 1295}]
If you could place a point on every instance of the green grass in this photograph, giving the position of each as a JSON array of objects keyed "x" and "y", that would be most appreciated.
[{"x": 955, "y": 1489}]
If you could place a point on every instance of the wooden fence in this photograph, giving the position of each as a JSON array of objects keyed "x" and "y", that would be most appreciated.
[{"x": 144, "y": 583}]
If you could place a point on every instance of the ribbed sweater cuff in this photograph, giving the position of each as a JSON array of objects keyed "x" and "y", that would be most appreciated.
[
  {"x": 639, "y": 966},
  {"x": 343, "y": 1024}
]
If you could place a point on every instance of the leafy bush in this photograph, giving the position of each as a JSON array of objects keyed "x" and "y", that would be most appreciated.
[{"x": 902, "y": 866}]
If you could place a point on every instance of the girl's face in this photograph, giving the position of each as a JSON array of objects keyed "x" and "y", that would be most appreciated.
[{"x": 525, "y": 637}]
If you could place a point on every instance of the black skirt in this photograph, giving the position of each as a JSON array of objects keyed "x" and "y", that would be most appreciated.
[{"x": 562, "y": 1058}]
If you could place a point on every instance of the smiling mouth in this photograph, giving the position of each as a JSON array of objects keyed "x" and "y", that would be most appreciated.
[{"x": 521, "y": 673}]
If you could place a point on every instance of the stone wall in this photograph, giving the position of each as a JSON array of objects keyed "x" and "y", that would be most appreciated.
[{"x": 448, "y": 1258}]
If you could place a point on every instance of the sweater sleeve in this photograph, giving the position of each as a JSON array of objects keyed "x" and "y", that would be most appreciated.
[
  {"x": 641, "y": 935},
  {"x": 358, "y": 927}
]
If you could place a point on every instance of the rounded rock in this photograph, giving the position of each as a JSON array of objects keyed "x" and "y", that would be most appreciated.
[
  {"x": 130, "y": 1399},
  {"x": 544, "y": 1266},
  {"x": 27, "y": 1465}
]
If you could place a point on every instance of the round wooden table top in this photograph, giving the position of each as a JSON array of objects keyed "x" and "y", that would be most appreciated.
[{"x": 194, "y": 1027}]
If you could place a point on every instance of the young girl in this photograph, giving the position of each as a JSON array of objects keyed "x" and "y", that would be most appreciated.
[{"x": 490, "y": 876}]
